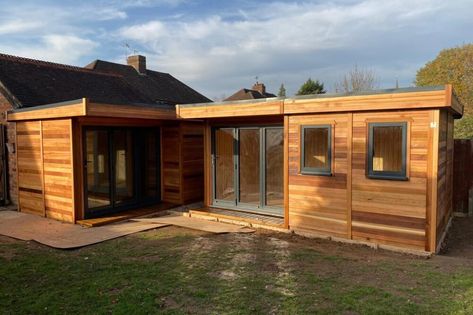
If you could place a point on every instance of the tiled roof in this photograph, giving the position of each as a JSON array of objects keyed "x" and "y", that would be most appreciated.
[
  {"x": 157, "y": 86},
  {"x": 32, "y": 82},
  {"x": 247, "y": 94}
]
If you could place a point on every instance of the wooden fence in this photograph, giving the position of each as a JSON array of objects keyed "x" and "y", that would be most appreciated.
[{"x": 463, "y": 176}]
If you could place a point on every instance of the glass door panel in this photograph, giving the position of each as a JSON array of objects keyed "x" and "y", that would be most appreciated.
[
  {"x": 122, "y": 169},
  {"x": 249, "y": 166},
  {"x": 251, "y": 159},
  {"x": 98, "y": 169},
  {"x": 274, "y": 167},
  {"x": 123, "y": 165},
  {"x": 224, "y": 165}
]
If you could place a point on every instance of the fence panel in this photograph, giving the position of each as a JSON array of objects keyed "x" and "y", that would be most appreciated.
[{"x": 463, "y": 176}]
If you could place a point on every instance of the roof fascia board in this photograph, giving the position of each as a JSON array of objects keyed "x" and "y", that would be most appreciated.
[
  {"x": 72, "y": 108},
  {"x": 389, "y": 99}
]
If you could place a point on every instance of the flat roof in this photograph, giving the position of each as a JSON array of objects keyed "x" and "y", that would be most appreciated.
[
  {"x": 325, "y": 95},
  {"x": 88, "y": 107},
  {"x": 441, "y": 96}
]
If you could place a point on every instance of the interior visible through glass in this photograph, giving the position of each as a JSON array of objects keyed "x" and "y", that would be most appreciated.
[
  {"x": 387, "y": 148},
  {"x": 98, "y": 173},
  {"x": 316, "y": 148},
  {"x": 224, "y": 167},
  {"x": 249, "y": 165},
  {"x": 123, "y": 151},
  {"x": 122, "y": 170}
]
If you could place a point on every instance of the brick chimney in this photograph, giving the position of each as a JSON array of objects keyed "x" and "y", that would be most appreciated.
[
  {"x": 138, "y": 62},
  {"x": 260, "y": 87}
]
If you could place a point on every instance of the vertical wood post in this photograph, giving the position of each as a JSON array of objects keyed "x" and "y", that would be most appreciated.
[
  {"x": 286, "y": 172},
  {"x": 207, "y": 166},
  {"x": 432, "y": 183},
  {"x": 42, "y": 164},
  {"x": 349, "y": 172}
]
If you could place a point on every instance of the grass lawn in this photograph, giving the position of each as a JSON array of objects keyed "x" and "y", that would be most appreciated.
[{"x": 178, "y": 271}]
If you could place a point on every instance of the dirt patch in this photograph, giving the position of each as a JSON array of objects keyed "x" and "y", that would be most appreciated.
[
  {"x": 285, "y": 281},
  {"x": 459, "y": 242},
  {"x": 166, "y": 233},
  {"x": 240, "y": 246},
  {"x": 9, "y": 240}
]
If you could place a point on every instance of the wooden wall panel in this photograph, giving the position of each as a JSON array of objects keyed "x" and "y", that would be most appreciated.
[
  {"x": 45, "y": 172},
  {"x": 183, "y": 162},
  {"x": 388, "y": 211},
  {"x": 58, "y": 169},
  {"x": 171, "y": 152},
  {"x": 30, "y": 167},
  {"x": 445, "y": 173},
  {"x": 319, "y": 203},
  {"x": 192, "y": 159}
]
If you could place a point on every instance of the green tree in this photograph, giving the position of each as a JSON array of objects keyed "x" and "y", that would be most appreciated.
[
  {"x": 311, "y": 87},
  {"x": 282, "y": 91},
  {"x": 454, "y": 66}
]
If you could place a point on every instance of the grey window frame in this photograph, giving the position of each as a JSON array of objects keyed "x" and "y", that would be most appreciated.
[
  {"x": 322, "y": 171},
  {"x": 389, "y": 175}
]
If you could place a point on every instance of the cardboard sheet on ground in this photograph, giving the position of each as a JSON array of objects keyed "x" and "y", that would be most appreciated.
[
  {"x": 198, "y": 224},
  {"x": 64, "y": 235}
]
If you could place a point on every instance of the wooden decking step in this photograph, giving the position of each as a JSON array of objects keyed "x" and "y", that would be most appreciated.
[
  {"x": 127, "y": 215},
  {"x": 240, "y": 218}
]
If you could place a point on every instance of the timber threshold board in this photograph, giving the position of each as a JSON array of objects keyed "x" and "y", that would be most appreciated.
[
  {"x": 239, "y": 217},
  {"x": 127, "y": 215}
]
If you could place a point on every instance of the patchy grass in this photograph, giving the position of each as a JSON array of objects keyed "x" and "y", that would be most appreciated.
[{"x": 178, "y": 271}]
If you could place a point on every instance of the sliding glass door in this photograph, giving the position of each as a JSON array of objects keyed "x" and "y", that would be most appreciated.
[
  {"x": 248, "y": 169},
  {"x": 123, "y": 162},
  {"x": 122, "y": 167},
  {"x": 224, "y": 187},
  {"x": 248, "y": 162},
  {"x": 98, "y": 169}
]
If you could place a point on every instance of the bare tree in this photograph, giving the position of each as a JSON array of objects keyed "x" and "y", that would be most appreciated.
[
  {"x": 356, "y": 80},
  {"x": 220, "y": 98}
]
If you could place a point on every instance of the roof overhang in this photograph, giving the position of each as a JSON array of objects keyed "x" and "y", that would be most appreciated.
[
  {"x": 85, "y": 107},
  {"x": 392, "y": 99},
  {"x": 262, "y": 107}
]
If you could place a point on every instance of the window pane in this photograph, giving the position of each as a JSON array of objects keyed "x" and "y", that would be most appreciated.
[
  {"x": 274, "y": 167},
  {"x": 316, "y": 148},
  {"x": 249, "y": 166},
  {"x": 224, "y": 168},
  {"x": 387, "y": 148},
  {"x": 123, "y": 144},
  {"x": 98, "y": 177}
]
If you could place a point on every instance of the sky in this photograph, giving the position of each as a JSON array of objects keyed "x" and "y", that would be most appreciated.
[{"x": 219, "y": 47}]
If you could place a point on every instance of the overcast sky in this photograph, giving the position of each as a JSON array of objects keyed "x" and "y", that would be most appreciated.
[{"x": 218, "y": 47}]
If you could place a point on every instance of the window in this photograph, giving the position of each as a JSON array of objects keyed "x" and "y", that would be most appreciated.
[
  {"x": 387, "y": 147},
  {"x": 316, "y": 155}
]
